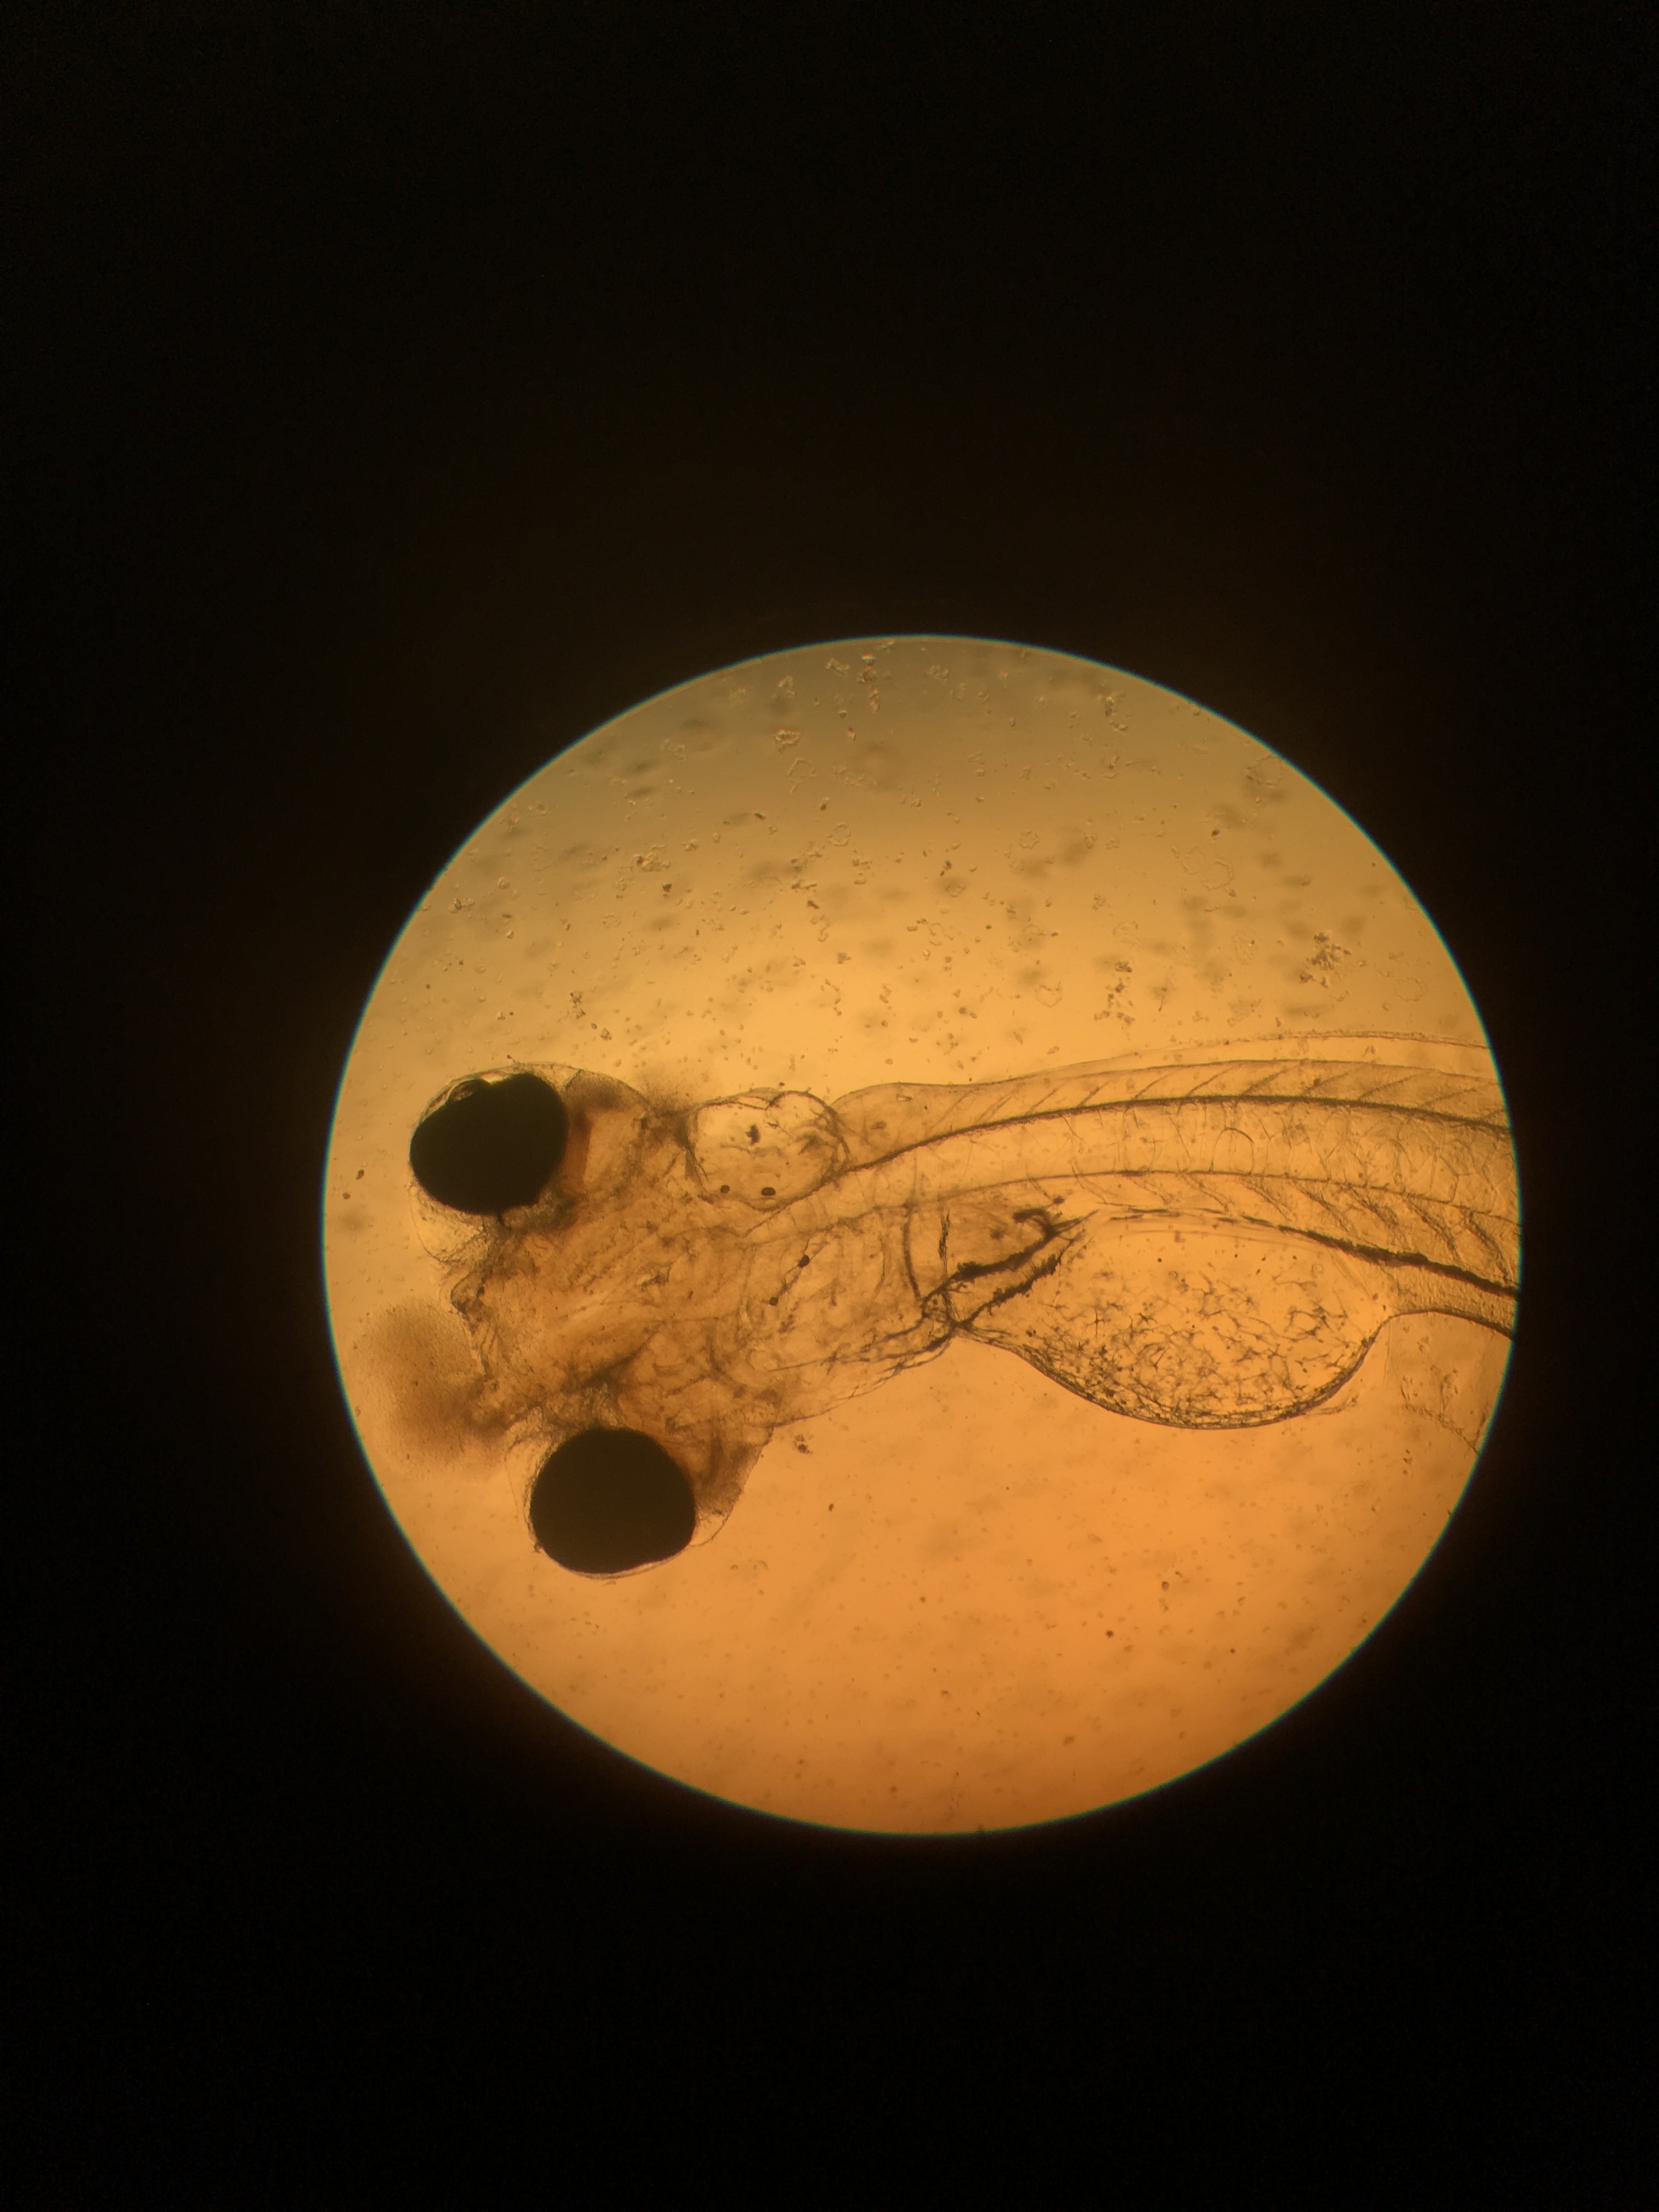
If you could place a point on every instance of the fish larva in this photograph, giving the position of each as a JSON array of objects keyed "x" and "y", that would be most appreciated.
[{"x": 1203, "y": 1246}]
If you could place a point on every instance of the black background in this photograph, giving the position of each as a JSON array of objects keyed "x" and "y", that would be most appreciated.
[{"x": 402, "y": 392}]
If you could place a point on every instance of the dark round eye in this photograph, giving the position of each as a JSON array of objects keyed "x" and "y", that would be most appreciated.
[
  {"x": 491, "y": 1145},
  {"x": 610, "y": 1499}
]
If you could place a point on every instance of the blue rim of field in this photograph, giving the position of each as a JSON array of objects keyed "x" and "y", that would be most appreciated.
[{"x": 877, "y": 641}]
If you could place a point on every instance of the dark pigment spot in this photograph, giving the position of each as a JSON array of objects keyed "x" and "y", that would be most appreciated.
[
  {"x": 610, "y": 1499},
  {"x": 491, "y": 1146}
]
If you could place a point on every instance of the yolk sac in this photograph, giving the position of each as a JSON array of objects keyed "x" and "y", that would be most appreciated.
[
  {"x": 610, "y": 1499},
  {"x": 491, "y": 1145}
]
